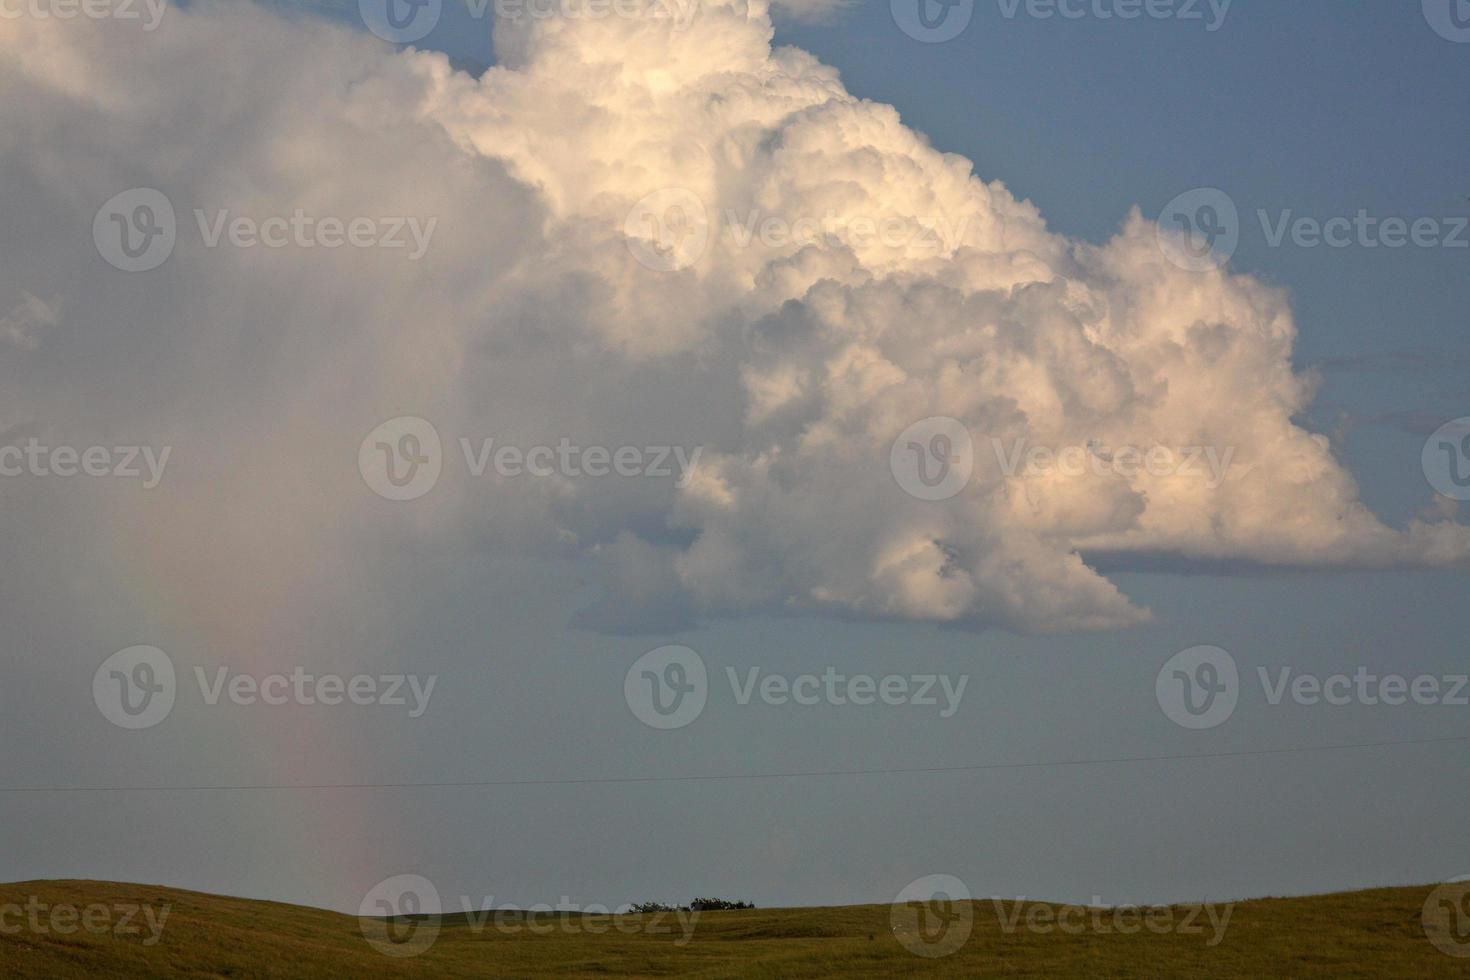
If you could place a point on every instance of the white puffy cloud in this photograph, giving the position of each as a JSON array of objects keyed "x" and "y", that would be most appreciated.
[{"x": 851, "y": 281}]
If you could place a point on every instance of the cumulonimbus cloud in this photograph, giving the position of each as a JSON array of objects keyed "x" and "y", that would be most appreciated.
[{"x": 845, "y": 280}]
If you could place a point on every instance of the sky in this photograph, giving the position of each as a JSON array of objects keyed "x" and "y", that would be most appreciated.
[{"x": 599, "y": 228}]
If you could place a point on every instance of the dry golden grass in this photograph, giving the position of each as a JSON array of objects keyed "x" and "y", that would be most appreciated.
[{"x": 1360, "y": 934}]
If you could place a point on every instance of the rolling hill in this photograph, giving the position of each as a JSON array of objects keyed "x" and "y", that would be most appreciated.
[{"x": 62, "y": 929}]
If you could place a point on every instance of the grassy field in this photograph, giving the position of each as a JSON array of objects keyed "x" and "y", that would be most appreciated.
[{"x": 1359, "y": 934}]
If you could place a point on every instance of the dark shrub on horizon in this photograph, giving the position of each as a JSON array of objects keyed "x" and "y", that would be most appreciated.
[
  {"x": 717, "y": 905},
  {"x": 698, "y": 905}
]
